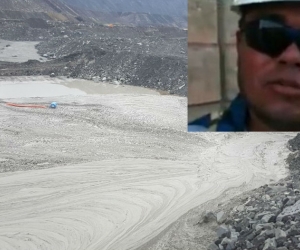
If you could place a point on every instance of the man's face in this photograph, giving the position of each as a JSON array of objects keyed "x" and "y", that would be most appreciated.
[{"x": 271, "y": 84}]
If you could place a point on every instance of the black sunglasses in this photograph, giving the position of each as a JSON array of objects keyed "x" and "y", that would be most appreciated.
[{"x": 270, "y": 37}]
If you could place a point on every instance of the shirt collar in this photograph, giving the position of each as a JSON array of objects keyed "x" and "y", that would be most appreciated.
[{"x": 235, "y": 117}]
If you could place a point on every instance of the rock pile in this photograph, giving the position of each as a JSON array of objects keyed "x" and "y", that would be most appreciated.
[{"x": 294, "y": 144}]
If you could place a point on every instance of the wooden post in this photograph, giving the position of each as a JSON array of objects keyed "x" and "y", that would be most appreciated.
[{"x": 222, "y": 50}]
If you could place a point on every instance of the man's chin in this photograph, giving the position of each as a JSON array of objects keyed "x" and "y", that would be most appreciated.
[{"x": 279, "y": 119}]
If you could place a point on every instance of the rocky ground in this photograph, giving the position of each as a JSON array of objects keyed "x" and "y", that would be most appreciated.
[
  {"x": 266, "y": 218},
  {"x": 149, "y": 57}
]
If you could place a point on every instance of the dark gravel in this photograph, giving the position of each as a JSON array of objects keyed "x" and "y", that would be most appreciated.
[
  {"x": 150, "y": 57},
  {"x": 294, "y": 144}
]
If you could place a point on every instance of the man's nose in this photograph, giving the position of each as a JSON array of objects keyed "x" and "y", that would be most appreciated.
[{"x": 291, "y": 56}]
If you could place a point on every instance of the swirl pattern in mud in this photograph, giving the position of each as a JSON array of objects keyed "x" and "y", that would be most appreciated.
[{"x": 124, "y": 174}]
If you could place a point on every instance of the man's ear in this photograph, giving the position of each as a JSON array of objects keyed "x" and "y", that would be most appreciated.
[
  {"x": 238, "y": 36},
  {"x": 238, "y": 39}
]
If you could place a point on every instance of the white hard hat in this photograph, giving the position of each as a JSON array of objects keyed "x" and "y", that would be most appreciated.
[{"x": 238, "y": 3}]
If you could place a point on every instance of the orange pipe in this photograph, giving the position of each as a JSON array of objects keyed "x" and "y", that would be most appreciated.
[{"x": 25, "y": 105}]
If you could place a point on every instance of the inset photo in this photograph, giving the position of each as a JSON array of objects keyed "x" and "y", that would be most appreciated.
[{"x": 243, "y": 66}]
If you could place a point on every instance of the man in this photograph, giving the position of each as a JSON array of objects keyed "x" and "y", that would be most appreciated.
[{"x": 268, "y": 48}]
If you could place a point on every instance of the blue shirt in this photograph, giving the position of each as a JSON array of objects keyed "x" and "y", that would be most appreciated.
[{"x": 234, "y": 119}]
